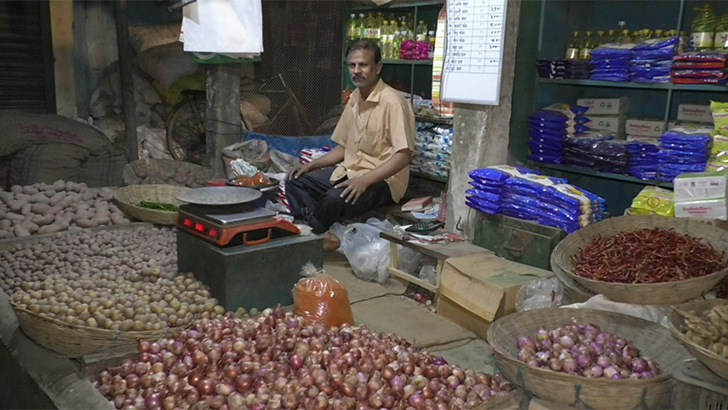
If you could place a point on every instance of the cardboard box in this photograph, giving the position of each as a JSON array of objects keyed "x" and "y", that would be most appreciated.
[
  {"x": 477, "y": 289},
  {"x": 608, "y": 123},
  {"x": 695, "y": 113},
  {"x": 646, "y": 127},
  {"x": 706, "y": 209},
  {"x": 701, "y": 185},
  {"x": 605, "y": 106}
]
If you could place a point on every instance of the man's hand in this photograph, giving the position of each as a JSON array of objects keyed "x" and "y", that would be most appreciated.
[
  {"x": 298, "y": 170},
  {"x": 353, "y": 188}
]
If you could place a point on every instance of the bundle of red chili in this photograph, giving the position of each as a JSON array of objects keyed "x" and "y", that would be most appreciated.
[{"x": 647, "y": 256}]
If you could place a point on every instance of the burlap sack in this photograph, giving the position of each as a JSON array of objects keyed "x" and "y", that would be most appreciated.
[{"x": 47, "y": 163}]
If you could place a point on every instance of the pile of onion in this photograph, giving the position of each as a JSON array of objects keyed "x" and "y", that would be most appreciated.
[
  {"x": 585, "y": 350},
  {"x": 275, "y": 362}
]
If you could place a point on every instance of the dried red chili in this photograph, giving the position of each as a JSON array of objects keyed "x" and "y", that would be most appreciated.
[{"x": 647, "y": 256}]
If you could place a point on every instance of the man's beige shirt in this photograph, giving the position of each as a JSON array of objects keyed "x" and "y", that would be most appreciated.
[{"x": 372, "y": 131}]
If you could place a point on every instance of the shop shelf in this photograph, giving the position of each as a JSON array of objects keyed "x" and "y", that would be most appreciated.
[
  {"x": 428, "y": 177},
  {"x": 606, "y": 175},
  {"x": 436, "y": 120},
  {"x": 630, "y": 85}
]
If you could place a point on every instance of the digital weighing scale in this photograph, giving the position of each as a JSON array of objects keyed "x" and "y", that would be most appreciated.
[
  {"x": 223, "y": 222},
  {"x": 246, "y": 255}
]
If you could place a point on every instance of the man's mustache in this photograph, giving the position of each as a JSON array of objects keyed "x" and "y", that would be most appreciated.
[{"x": 357, "y": 77}]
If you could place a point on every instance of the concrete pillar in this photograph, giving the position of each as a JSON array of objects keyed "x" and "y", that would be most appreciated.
[
  {"x": 480, "y": 132},
  {"x": 223, "y": 125}
]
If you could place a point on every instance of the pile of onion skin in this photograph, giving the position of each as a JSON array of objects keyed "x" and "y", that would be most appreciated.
[
  {"x": 587, "y": 351},
  {"x": 277, "y": 362}
]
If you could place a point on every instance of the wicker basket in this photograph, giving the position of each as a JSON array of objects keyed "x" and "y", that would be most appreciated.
[
  {"x": 714, "y": 362},
  {"x": 572, "y": 288},
  {"x": 129, "y": 197},
  {"x": 651, "y": 338},
  {"x": 164, "y": 167},
  {"x": 695, "y": 387},
  {"x": 668, "y": 293},
  {"x": 76, "y": 341}
]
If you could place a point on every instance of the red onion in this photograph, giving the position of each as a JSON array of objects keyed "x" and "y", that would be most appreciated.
[{"x": 524, "y": 341}]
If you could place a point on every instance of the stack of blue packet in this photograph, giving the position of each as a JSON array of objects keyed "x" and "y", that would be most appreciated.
[
  {"x": 550, "y": 201},
  {"x": 488, "y": 186},
  {"x": 652, "y": 60},
  {"x": 549, "y": 127},
  {"x": 683, "y": 149},
  {"x": 600, "y": 152},
  {"x": 610, "y": 62},
  {"x": 643, "y": 158}
]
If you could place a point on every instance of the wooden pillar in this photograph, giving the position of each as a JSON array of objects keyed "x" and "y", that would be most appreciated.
[
  {"x": 127, "y": 80},
  {"x": 223, "y": 126},
  {"x": 480, "y": 132}
]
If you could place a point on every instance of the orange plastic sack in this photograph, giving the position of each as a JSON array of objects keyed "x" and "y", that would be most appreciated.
[{"x": 321, "y": 298}]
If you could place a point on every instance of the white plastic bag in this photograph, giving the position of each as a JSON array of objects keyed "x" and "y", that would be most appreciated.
[
  {"x": 539, "y": 293},
  {"x": 653, "y": 313},
  {"x": 367, "y": 253},
  {"x": 223, "y": 26}
]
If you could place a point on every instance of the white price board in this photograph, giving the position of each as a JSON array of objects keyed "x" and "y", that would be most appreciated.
[{"x": 473, "y": 51}]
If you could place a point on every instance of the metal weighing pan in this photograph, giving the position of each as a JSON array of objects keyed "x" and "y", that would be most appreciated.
[{"x": 225, "y": 195}]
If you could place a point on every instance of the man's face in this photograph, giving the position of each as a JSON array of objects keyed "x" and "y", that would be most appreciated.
[{"x": 362, "y": 69}]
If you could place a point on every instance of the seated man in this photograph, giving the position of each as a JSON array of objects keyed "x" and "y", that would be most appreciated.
[{"x": 376, "y": 140}]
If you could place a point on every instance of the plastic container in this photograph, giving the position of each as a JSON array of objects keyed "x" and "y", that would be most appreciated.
[
  {"x": 721, "y": 33},
  {"x": 696, "y": 387}
]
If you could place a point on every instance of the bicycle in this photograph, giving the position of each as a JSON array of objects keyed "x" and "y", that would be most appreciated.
[{"x": 186, "y": 122}]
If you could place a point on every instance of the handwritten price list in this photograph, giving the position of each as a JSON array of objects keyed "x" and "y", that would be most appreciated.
[{"x": 473, "y": 50}]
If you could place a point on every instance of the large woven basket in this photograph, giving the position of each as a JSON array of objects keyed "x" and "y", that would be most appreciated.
[
  {"x": 77, "y": 341},
  {"x": 576, "y": 292},
  {"x": 128, "y": 199},
  {"x": 164, "y": 167},
  {"x": 714, "y": 362},
  {"x": 668, "y": 293},
  {"x": 652, "y": 339}
]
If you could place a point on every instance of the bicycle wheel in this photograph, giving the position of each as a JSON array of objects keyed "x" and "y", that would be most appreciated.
[{"x": 186, "y": 131}]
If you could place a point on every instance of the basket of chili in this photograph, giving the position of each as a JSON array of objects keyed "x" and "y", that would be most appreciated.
[{"x": 645, "y": 259}]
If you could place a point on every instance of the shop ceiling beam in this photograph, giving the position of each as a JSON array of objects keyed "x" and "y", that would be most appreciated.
[
  {"x": 480, "y": 132},
  {"x": 127, "y": 80},
  {"x": 223, "y": 125}
]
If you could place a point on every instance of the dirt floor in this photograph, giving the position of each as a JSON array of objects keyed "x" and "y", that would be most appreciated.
[{"x": 383, "y": 308}]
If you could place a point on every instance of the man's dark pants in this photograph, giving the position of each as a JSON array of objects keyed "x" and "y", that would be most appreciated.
[{"x": 315, "y": 199}]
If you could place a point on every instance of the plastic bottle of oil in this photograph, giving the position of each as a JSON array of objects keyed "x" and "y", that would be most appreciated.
[
  {"x": 601, "y": 39},
  {"x": 586, "y": 46},
  {"x": 431, "y": 43},
  {"x": 572, "y": 48},
  {"x": 703, "y": 31},
  {"x": 362, "y": 26},
  {"x": 352, "y": 30},
  {"x": 721, "y": 33},
  {"x": 385, "y": 42},
  {"x": 421, "y": 32},
  {"x": 397, "y": 40}
]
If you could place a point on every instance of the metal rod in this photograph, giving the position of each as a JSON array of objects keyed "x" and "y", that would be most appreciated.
[{"x": 127, "y": 80}]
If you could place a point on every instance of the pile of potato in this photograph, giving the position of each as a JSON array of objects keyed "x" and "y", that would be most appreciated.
[
  {"x": 118, "y": 280},
  {"x": 43, "y": 208},
  {"x": 182, "y": 176},
  {"x": 708, "y": 329}
]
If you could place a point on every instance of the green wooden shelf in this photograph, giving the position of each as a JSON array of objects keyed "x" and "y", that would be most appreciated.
[
  {"x": 434, "y": 178},
  {"x": 630, "y": 85},
  {"x": 598, "y": 174}
]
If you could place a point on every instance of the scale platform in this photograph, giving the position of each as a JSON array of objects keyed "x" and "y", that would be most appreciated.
[{"x": 232, "y": 225}]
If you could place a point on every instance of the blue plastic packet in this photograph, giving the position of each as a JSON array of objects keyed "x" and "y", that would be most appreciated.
[
  {"x": 482, "y": 206},
  {"x": 656, "y": 43},
  {"x": 484, "y": 195},
  {"x": 541, "y": 149},
  {"x": 545, "y": 135},
  {"x": 546, "y": 159},
  {"x": 500, "y": 173},
  {"x": 613, "y": 50},
  {"x": 612, "y": 78},
  {"x": 492, "y": 188},
  {"x": 549, "y": 116},
  {"x": 545, "y": 145}
]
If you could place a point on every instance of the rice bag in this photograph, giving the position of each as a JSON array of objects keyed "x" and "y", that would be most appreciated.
[
  {"x": 570, "y": 111},
  {"x": 499, "y": 173},
  {"x": 484, "y": 195}
]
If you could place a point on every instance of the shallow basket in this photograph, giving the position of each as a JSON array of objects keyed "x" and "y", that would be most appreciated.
[
  {"x": 129, "y": 197},
  {"x": 667, "y": 293},
  {"x": 711, "y": 360},
  {"x": 152, "y": 166},
  {"x": 70, "y": 340},
  {"x": 652, "y": 339}
]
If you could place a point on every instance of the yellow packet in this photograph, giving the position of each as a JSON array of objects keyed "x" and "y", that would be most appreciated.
[
  {"x": 720, "y": 116},
  {"x": 654, "y": 200}
]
